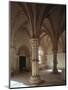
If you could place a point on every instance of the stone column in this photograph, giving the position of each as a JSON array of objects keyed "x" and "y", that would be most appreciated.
[
  {"x": 55, "y": 70},
  {"x": 35, "y": 78}
]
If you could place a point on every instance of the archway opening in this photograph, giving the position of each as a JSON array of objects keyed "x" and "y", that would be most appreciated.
[
  {"x": 24, "y": 59},
  {"x": 22, "y": 63},
  {"x": 61, "y": 51}
]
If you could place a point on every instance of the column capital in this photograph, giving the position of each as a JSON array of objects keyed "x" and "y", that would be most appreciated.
[
  {"x": 55, "y": 51},
  {"x": 34, "y": 42},
  {"x": 55, "y": 48}
]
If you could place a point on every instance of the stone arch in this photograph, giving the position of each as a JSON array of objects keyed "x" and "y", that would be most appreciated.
[
  {"x": 21, "y": 36},
  {"x": 61, "y": 51},
  {"x": 45, "y": 51},
  {"x": 23, "y": 50},
  {"x": 61, "y": 43},
  {"x": 47, "y": 32}
]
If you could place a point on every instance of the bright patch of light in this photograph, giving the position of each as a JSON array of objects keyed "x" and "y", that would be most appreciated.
[
  {"x": 50, "y": 70},
  {"x": 59, "y": 70},
  {"x": 40, "y": 53},
  {"x": 39, "y": 59},
  {"x": 14, "y": 84}
]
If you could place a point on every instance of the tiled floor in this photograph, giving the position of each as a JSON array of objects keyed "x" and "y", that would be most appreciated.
[{"x": 23, "y": 79}]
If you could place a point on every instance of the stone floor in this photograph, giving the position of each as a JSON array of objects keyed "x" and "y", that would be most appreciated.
[{"x": 48, "y": 78}]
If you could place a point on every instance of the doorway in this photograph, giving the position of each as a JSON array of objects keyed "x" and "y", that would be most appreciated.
[{"x": 22, "y": 63}]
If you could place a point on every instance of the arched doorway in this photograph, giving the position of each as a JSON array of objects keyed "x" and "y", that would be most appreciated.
[
  {"x": 22, "y": 63},
  {"x": 24, "y": 59}
]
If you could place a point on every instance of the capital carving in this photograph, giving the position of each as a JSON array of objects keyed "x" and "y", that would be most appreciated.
[{"x": 34, "y": 42}]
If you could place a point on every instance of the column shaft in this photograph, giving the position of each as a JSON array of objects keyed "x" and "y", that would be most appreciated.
[
  {"x": 35, "y": 67},
  {"x": 55, "y": 70}
]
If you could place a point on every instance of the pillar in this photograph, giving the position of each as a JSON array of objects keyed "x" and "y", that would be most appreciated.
[
  {"x": 55, "y": 70},
  {"x": 35, "y": 78}
]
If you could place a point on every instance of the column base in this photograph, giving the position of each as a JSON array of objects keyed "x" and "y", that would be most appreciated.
[
  {"x": 55, "y": 71},
  {"x": 35, "y": 80}
]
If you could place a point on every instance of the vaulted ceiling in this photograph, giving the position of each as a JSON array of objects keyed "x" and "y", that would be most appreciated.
[{"x": 37, "y": 20}]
